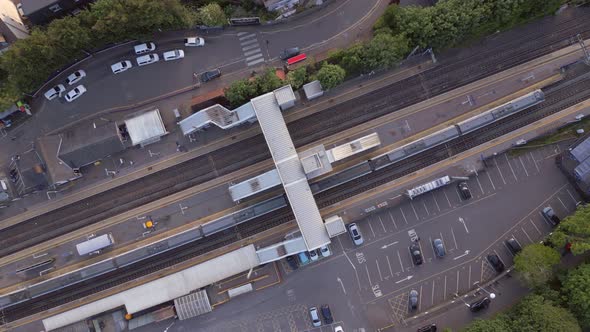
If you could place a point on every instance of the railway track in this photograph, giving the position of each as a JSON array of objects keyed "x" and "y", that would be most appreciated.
[
  {"x": 557, "y": 97},
  {"x": 453, "y": 71}
]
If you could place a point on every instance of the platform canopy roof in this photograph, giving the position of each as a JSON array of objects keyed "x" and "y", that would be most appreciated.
[{"x": 145, "y": 128}]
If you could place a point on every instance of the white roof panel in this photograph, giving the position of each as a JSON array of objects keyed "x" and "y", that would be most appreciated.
[
  {"x": 255, "y": 185},
  {"x": 146, "y": 127}
]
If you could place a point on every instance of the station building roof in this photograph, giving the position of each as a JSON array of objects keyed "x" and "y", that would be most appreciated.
[
  {"x": 58, "y": 171},
  {"x": 218, "y": 116},
  {"x": 582, "y": 151},
  {"x": 145, "y": 128},
  {"x": 82, "y": 146}
]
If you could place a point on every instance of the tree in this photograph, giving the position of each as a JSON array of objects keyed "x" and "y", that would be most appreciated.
[
  {"x": 297, "y": 78},
  {"x": 385, "y": 51},
  {"x": 535, "y": 314},
  {"x": 574, "y": 229},
  {"x": 497, "y": 324},
  {"x": 240, "y": 92},
  {"x": 330, "y": 75},
  {"x": 267, "y": 82},
  {"x": 535, "y": 264},
  {"x": 212, "y": 15},
  {"x": 352, "y": 59},
  {"x": 577, "y": 289}
]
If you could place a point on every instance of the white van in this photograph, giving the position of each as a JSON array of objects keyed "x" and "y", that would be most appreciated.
[
  {"x": 144, "y": 48},
  {"x": 147, "y": 59}
]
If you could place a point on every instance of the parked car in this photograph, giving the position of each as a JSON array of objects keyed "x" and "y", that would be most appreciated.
[
  {"x": 194, "y": 41},
  {"x": 292, "y": 262},
  {"x": 550, "y": 216},
  {"x": 313, "y": 255},
  {"x": 144, "y": 48},
  {"x": 209, "y": 75},
  {"x": 496, "y": 262},
  {"x": 315, "y": 318},
  {"x": 54, "y": 92},
  {"x": 427, "y": 328},
  {"x": 147, "y": 59},
  {"x": 327, "y": 313},
  {"x": 464, "y": 190},
  {"x": 120, "y": 67},
  {"x": 75, "y": 93},
  {"x": 439, "y": 248},
  {"x": 479, "y": 304},
  {"x": 416, "y": 253},
  {"x": 355, "y": 234},
  {"x": 325, "y": 251},
  {"x": 76, "y": 76},
  {"x": 303, "y": 258},
  {"x": 413, "y": 299},
  {"x": 513, "y": 246},
  {"x": 289, "y": 53},
  {"x": 338, "y": 329},
  {"x": 173, "y": 55}
]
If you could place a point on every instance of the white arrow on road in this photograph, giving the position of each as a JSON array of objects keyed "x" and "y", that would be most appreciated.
[
  {"x": 464, "y": 254},
  {"x": 341, "y": 284},
  {"x": 404, "y": 279},
  {"x": 385, "y": 246},
  {"x": 461, "y": 220}
]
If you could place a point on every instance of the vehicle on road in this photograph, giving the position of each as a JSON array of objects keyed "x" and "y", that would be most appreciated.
[
  {"x": 144, "y": 48},
  {"x": 439, "y": 248},
  {"x": 315, "y": 318},
  {"x": 303, "y": 258},
  {"x": 427, "y": 328},
  {"x": 209, "y": 75},
  {"x": 513, "y": 246},
  {"x": 464, "y": 190},
  {"x": 292, "y": 262},
  {"x": 416, "y": 253},
  {"x": 120, "y": 67},
  {"x": 313, "y": 255},
  {"x": 56, "y": 91},
  {"x": 495, "y": 262},
  {"x": 173, "y": 55},
  {"x": 338, "y": 329},
  {"x": 327, "y": 313},
  {"x": 76, "y": 76},
  {"x": 289, "y": 53},
  {"x": 413, "y": 299},
  {"x": 479, "y": 304},
  {"x": 325, "y": 251},
  {"x": 355, "y": 234},
  {"x": 296, "y": 59},
  {"x": 147, "y": 59},
  {"x": 75, "y": 93},
  {"x": 194, "y": 41},
  {"x": 550, "y": 216}
]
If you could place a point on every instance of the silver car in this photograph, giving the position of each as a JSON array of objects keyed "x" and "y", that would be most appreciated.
[
  {"x": 75, "y": 93},
  {"x": 315, "y": 318},
  {"x": 54, "y": 92},
  {"x": 355, "y": 234},
  {"x": 76, "y": 76}
]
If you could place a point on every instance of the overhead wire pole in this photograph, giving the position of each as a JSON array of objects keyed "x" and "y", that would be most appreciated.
[{"x": 584, "y": 49}]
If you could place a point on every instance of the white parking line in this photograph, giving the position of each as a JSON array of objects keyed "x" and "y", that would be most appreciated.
[
  {"x": 389, "y": 264},
  {"x": 499, "y": 170},
  {"x": 565, "y": 207},
  {"x": 545, "y": 220},
  {"x": 537, "y": 228},
  {"x": 458, "y": 195},
  {"x": 480, "y": 187},
  {"x": 371, "y": 227},
  {"x": 442, "y": 239},
  {"x": 469, "y": 278},
  {"x": 572, "y": 196},
  {"x": 435, "y": 201},
  {"x": 527, "y": 235},
  {"x": 454, "y": 238},
  {"x": 425, "y": 208},
  {"x": 492, "y": 182},
  {"x": 457, "y": 292},
  {"x": 525, "y": 171},
  {"x": 445, "y": 290},
  {"x": 506, "y": 246},
  {"x": 400, "y": 261},
  {"x": 410, "y": 253},
  {"x": 368, "y": 275},
  {"x": 432, "y": 296},
  {"x": 382, "y": 225},
  {"x": 244, "y": 49},
  {"x": 252, "y": 52},
  {"x": 420, "y": 299},
  {"x": 403, "y": 215},
  {"x": 379, "y": 270},
  {"x": 413, "y": 208},
  {"x": 535, "y": 162},
  {"x": 392, "y": 219},
  {"x": 500, "y": 258},
  {"x": 481, "y": 274},
  {"x": 510, "y": 165},
  {"x": 448, "y": 201},
  {"x": 431, "y": 247}
]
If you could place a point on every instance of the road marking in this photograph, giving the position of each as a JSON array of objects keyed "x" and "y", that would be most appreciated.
[
  {"x": 392, "y": 219},
  {"x": 425, "y": 208},
  {"x": 457, "y": 292},
  {"x": 371, "y": 227},
  {"x": 435, "y": 201},
  {"x": 482, "y": 268},
  {"x": 385, "y": 246},
  {"x": 535, "y": 162},
  {"x": 527, "y": 235},
  {"x": 420, "y": 299},
  {"x": 249, "y": 42},
  {"x": 480, "y": 186},
  {"x": 499, "y": 170},
  {"x": 572, "y": 196},
  {"x": 443, "y": 240},
  {"x": 500, "y": 258},
  {"x": 341, "y": 285},
  {"x": 379, "y": 270},
  {"x": 461, "y": 220},
  {"x": 404, "y": 279},
  {"x": 525, "y": 171},
  {"x": 462, "y": 255},
  {"x": 445, "y": 290},
  {"x": 250, "y": 58},
  {"x": 252, "y": 63},
  {"x": 382, "y": 225},
  {"x": 432, "y": 296},
  {"x": 413, "y": 208},
  {"x": 403, "y": 215},
  {"x": 506, "y": 246},
  {"x": 469, "y": 277},
  {"x": 345, "y": 255},
  {"x": 565, "y": 207},
  {"x": 389, "y": 264},
  {"x": 252, "y": 35},
  {"x": 243, "y": 33},
  {"x": 431, "y": 247},
  {"x": 249, "y": 47},
  {"x": 400, "y": 261},
  {"x": 458, "y": 195},
  {"x": 368, "y": 275},
  {"x": 492, "y": 182},
  {"x": 252, "y": 52},
  {"x": 454, "y": 238},
  {"x": 510, "y": 165},
  {"x": 537, "y": 228},
  {"x": 448, "y": 200}
]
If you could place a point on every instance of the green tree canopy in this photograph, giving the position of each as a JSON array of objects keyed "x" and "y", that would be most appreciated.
[
  {"x": 496, "y": 324},
  {"x": 239, "y": 92},
  {"x": 330, "y": 75},
  {"x": 535, "y": 264},
  {"x": 385, "y": 51},
  {"x": 212, "y": 15},
  {"x": 576, "y": 287},
  {"x": 574, "y": 229},
  {"x": 297, "y": 78},
  {"x": 267, "y": 82},
  {"x": 535, "y": 314}
]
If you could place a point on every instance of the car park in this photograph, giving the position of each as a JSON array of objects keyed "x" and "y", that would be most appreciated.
[
  {"x": 550, "y": 216},
  {"x": 75, "y": 93},
  {"x": 303, "y": 258},
  {"x": 120, "y": 67},
  {"x": 194, "y": 41},
  {"x": 495, "y": 262},
  {"x": 173, "y": 55},
  {"x": 325, "y": 251},
  {"x": 76, "y": 76},
  {"x": 413, "y": 299},
  {"x": 144, "y": 48},
  {"x": 147, "y": 59},
  {"x": 54, "y": 92},
  {"x": 289, "y": 53},
  {"x": 313, "y": 255},
  {"x": 315, "y": 318},
  {"x": 427, "y": 328},
  {"x": 416, "y": 253},
  {"x": 439, "y": 248},
  {"x": 209, "y": 75},
  {"x": 327, "y": 314},
  {"x": 513, "y": 246},
  {"x": 292, "y": 262},
  {"x": 464, "y": 190},
  {"x": 355, "y": 234},
  {"x": 479, "y": 304}
]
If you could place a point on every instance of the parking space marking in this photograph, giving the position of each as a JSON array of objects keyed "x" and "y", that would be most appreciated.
[
  {"x": 382, "y": 225},
  {"x": 425, "y": 208},
  {"x": 448, "y": 200},
  {"x": 499, "y": 170},
  {"x": 482, "y": 268},
  {"x": 389, "y": 264},
  {"x": 509, "y": 251},
  {"x": 457, "y": 292},
  {"x": 435, "y": 201},
  {"x": 535, "y": 226},
  {"x": 454, "y": 238},
  {"x": 392, "y": 219},
  {"x": 458, "y": 194},
  {"x": 432, "y": 247},
  {"x": 527, "y": 235},
  {"x": 523, "y": 167},
  {"x": 400, "y": 261},
  {"x": 442, "y": 239},
  {"x": 371, "y": 227},
  {"x": 403, "y": 215},
  {"x": 420, "y": 299},
  {"x": 368, "y": 275},
  {"x": 469, "y": 278},
  {"x": 413, "y": 208},
  {"x": 379, "y": 270},
  {"x": 478, "y": 182},
  {"x": 500, "y": 258},
  {"x": 445, "y": 290},
  {"x": 535, "y": 162},
  {"x": 510, "y": 165},
  {"x": 491, "y": 181},
  {"x": 572, "y": 196},
  {"x": 565, "y": 207},
  {"x": 432, "y": 296}
]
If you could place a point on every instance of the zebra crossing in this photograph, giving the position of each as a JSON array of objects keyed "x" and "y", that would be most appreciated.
[{"x": 251, "y": 48}]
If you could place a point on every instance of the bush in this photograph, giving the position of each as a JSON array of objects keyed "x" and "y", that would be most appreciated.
[
  {"x": 297, "y": 78},
  {"x": 330, "y": 75},
  {"x": 240, "y": 92},
  {"x": 212, "y": 15}
]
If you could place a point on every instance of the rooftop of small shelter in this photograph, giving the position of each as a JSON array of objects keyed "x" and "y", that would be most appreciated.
[
  {"x": 31, "y": 6},
  {"x": 84, "y": 145},
  {"x": 58, "y": 171},
  {"x": 31, "y": 168},
  {"x": 146, "y": 127},
  {"x": 578, "y": 163}
]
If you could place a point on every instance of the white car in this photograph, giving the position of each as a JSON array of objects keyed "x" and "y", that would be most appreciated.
[
  {"x": 194, "y": 41},
  {"x": 173, "y": 55},
  {"x": 338, "y": 329},
  {"x": 75, "y": 93},
  {"x": 325, "y": 251},
  {"x": 56, "y": 91},
  {"x": 120, "y": 67},
  {"x": 144, "y": 48},
  {"x": 147, "y": 59},
  {"x": 313, "y": 255},
  {"x": 76, "y": 76}
]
